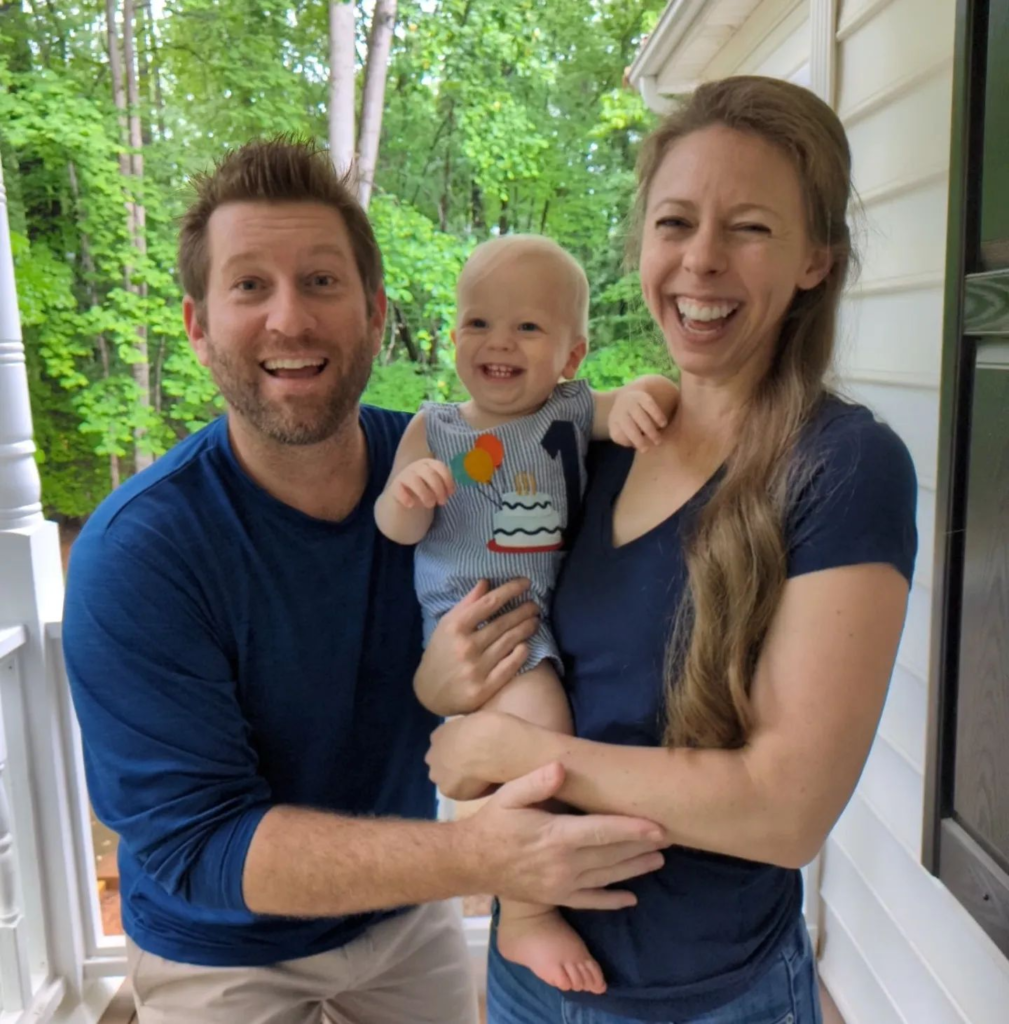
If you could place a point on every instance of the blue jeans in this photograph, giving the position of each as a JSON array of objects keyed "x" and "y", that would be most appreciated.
[{"x": 785, "y": 994}]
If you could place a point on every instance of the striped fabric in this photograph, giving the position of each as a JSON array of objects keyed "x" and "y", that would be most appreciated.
[{"x": 511, "y": 525}]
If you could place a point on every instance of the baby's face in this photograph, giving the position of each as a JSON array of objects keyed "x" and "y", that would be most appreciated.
[{"x": 517, "y": 333}]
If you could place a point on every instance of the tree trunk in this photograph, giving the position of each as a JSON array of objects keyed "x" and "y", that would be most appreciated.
[
  {"x": 379, "y": 44},
  {"x": 157, "y": 100},
  {"x": 341, "y": 86},
  {"x": 502, "y": 221},
  {"x": 119, "y": 96},
  {"x": 88, "y": 265},
  {"x": 141, "y": 368}
]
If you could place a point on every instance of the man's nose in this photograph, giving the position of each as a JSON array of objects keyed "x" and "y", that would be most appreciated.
[{"x": 289, "y": 313}]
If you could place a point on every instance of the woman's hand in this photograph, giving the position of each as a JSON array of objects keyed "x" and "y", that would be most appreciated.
[
  {"x": 474, "y": 651},
  {"x": 482, "y": 746}
]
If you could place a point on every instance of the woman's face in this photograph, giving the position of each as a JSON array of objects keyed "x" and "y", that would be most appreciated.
[{"x": 724, "y": 249}]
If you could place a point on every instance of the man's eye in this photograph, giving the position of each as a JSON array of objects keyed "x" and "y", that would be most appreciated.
[
  {"x": 247, "y": 286},
  {"x": 323, "y": 280}
]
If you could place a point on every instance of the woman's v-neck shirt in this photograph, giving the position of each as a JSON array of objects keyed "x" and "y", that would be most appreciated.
[{"x": 706, "y": 925}]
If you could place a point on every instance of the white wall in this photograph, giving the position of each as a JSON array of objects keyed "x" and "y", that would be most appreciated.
[{"x": 897, "y": 946}]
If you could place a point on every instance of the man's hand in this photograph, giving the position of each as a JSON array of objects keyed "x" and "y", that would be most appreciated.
[
  {"x": 636, "y": 420},
  {"x": 474, "y": 651},
  {"x": 526, "y": 854},
  {"x": 426, "y": 482}
]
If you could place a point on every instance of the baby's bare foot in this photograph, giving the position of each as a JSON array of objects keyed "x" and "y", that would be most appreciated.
[{"x": 552, "y": 950}]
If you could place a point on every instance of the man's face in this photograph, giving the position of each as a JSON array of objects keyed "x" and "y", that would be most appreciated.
[{"x": 285, "y": 331}]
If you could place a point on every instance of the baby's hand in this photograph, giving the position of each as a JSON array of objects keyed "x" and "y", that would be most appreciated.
[
  {"x": 426, "y": 482},
  {"x": 636, "y": 420}
]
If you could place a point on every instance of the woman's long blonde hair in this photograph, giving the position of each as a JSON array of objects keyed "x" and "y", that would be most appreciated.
[{"x": 736, "y": 555}]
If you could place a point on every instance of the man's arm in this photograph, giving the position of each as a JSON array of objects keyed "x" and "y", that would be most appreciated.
[
  {"x": 310, "y": 863},
  {"x": 171, "y": 769}
]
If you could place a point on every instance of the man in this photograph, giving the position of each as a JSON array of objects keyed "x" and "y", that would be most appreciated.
[{"x": 241, "y": 643}]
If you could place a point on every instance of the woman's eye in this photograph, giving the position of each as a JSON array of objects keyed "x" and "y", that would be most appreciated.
[
  {"x": 675, "y": 223},
  {"x": 760, "y": 229}
]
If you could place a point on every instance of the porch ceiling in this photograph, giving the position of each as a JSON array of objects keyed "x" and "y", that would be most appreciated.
[{"x": 688, "y": 35}]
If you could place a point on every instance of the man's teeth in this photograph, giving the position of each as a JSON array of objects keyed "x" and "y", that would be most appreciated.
[
  {"x": 705, "y": 311},
  {"x": 291, "y": 364}
]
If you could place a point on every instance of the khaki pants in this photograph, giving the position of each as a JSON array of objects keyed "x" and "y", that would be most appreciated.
[{"x": 411, "y": 968}]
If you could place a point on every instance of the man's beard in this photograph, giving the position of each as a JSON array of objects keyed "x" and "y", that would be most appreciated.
[{"x": 316, "y": 420}]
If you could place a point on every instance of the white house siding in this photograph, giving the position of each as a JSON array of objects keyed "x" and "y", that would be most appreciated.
[{"x": 897, "y": 947}]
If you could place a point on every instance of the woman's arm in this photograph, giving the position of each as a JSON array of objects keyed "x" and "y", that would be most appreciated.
[{"x": 817, "y": 696}]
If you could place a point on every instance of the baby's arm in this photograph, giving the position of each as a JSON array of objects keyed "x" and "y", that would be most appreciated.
[
  {"x": 417, "y": 484},
  {"x": 634, "y": 414}
]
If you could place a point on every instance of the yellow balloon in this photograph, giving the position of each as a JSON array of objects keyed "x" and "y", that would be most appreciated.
[{"x": 479, "y": 464}]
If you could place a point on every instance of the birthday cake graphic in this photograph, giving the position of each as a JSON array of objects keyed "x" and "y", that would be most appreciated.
[{"x": 527, "y": 521}]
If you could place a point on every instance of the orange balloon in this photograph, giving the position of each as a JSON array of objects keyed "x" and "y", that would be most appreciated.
[
  {"x": 492, "y": 446},
  {"x": 479, "y": 465}
]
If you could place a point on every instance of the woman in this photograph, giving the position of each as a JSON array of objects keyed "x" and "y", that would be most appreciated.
[{"x": 730, "y": 611}]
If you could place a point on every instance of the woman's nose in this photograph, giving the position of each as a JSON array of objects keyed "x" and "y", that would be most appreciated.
[{"x": 705, "y": 253}]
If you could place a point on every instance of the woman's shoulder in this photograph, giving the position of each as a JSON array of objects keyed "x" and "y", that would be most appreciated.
[{"x": 856, "y": 492}]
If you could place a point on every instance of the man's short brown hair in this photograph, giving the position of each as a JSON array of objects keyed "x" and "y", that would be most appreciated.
[{"x": 281, "y": 169}]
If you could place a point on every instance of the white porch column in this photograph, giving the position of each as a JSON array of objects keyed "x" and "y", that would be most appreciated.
[{"x": 31, "y": 594}]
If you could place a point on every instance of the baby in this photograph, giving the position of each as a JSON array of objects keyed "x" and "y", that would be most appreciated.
[{"x": 487, "y": 488}]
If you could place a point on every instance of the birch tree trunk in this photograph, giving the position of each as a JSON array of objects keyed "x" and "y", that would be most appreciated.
[
  {"x": 341, "y": 85},
  {"x": 373, "y": 100},
  {"x": 142, "y": 458}
]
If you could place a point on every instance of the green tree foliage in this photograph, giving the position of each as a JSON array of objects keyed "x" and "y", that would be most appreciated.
[{"x": 501, "y": 115}]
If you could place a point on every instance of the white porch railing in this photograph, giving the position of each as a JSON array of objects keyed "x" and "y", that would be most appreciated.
[{"x": 50, "y": 939}]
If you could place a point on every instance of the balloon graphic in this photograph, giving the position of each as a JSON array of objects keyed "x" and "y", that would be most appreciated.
[
  {"x": 493, "y": 447},
  {"x": 459, "y": 474},
  {"x": 479, "y": 464}
]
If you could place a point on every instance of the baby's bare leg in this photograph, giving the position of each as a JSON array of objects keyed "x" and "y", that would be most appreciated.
[{"x": 531, "y": 934}]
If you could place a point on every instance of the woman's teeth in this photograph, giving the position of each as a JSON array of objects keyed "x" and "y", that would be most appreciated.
[{"x": 705, "y": 312}]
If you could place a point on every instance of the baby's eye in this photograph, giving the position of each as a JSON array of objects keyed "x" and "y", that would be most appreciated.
[
  {"x": 476, "y": 321},
  {"x": 528, "y": 325}
]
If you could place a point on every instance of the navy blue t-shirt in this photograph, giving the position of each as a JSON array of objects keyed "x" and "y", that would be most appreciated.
[
  {"x": 705, "y": 925},
  {"x": 227, "y": 652}
]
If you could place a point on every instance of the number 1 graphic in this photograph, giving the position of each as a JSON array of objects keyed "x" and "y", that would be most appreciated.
[{"x": 561, "y": 439}]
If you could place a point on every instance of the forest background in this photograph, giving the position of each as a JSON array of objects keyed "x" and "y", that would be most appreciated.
[{"x": 462, "y": 118}]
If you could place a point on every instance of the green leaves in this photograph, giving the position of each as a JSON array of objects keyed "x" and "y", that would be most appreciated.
[{"x": 501, "y": 115}]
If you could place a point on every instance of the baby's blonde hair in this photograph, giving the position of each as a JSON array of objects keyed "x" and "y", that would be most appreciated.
[{"x": 488, "y": 257}]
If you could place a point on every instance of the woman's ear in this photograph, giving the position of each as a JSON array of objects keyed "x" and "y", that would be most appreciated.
[{"x": 821, "y": 259}]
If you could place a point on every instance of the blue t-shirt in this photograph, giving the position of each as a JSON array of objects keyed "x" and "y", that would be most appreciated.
[
  {"x": 227, "y": 652},
  {"x": 705, "y": 925}
]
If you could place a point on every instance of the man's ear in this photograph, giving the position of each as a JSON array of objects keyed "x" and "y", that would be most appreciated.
[
  {"x": 821, "y": 259},
  {"x": 380, "y": 309},
  {"x": 195, "y": 320},
  {"x": 578, "y": 352}
]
